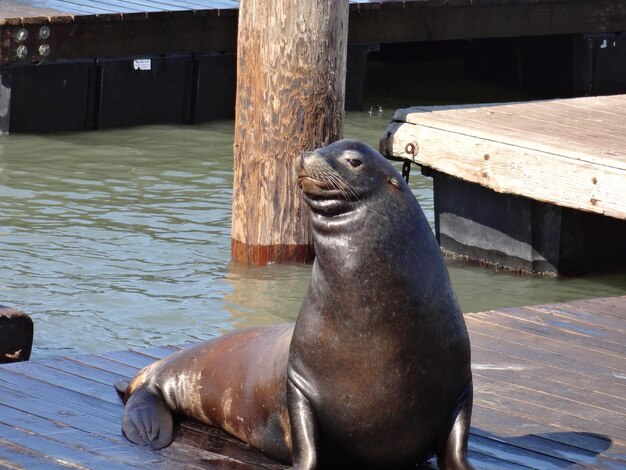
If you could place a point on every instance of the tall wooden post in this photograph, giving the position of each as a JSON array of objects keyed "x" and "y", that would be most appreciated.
[{"x": 291, "y": 69}]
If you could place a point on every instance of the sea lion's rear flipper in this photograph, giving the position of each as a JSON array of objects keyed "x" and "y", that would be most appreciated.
[
  {"x": 452, "y": 453},
  {"x": 121, "y": 386},
  {"x": 148, "y": 419}
]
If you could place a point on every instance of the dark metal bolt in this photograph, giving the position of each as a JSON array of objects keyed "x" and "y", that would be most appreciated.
[
  {"x": 21, "y": 34},
  {"x": 44, "y": 32},
  {"x": 22, "y": 51}
]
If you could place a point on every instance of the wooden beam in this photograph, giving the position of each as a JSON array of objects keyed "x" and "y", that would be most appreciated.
[
  {"x": 448, "y": 20},
  {"x": 117, "y": 35}
]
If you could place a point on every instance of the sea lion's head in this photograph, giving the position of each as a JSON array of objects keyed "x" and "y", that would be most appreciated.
[{"x": 338, "y": 180}]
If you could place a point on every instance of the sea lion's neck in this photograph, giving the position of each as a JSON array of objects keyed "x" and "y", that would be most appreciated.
[
  {"x": 339, "y": 238},
  {"x": 355, "y": 252}
]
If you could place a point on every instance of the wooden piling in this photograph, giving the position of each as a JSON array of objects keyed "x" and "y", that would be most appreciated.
[{"x": 291, "y": 71}]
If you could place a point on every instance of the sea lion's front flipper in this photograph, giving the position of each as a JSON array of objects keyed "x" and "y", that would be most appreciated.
[
  {"x": 148, "y": 419},
  {"x": 304, "y": 432},
  {"x": 452, "y": 454}
]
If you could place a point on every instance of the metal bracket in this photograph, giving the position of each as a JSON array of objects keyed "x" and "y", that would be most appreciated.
[{"x": 406, "y": 170}]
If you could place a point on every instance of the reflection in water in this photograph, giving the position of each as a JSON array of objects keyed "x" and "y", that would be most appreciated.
[
  {"x": 114, "y": 239},
  {"x": 266, "y": 295}
]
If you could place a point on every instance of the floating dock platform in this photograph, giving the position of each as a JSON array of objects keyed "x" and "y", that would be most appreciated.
[
  {"x": 537, "y": 186},
  {"x": 550, "y": 393},
  {"x": 69, "y": 66}
]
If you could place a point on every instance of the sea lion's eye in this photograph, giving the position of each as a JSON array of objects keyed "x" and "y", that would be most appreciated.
[{"x": 354, "y": 162}]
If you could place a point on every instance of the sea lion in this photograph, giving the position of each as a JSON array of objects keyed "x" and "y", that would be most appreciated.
[{"x": 376, "y": 371}]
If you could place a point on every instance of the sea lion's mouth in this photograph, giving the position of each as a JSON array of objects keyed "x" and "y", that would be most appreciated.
[{"x": 317, "y": 188}]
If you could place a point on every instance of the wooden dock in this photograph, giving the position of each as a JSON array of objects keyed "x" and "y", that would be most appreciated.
[
  {"x": 550, "y": 393},
  {"x": 557, "y": 162},
  {"x": 114, "y": 28},
  {"x": 570, "y": 153}
]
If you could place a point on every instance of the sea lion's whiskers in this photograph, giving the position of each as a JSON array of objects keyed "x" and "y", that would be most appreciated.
[
  {"x": 338, "y": 182},
  {"x": 333, "y": 180},
  {"x": 347, "y": 188}
]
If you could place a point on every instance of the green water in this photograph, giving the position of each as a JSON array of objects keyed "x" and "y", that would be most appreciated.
[{"x": 116, "y": 239}]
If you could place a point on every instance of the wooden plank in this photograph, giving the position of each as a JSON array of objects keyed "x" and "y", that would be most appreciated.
[
  {"x": 69, "y": 381},
  {"x": 496, "y": 147},
  {"x": 554, "y": 381},
  {"x": 78, "y": 418},
  {"x": 608, "y": 311},
  {"x": 586, "y": 143},
  {"x": 578, "y": 117},
  {"x": 19, "y": 8},
  {"x": 59, "y": 395},
  {"x": 77, "y": 7},
  {"x": 157, "y": 352},
  {"x": 585, "y": 357},
  {"x": 130, "y": 358},
  {"x": 531, "y": 347},
  {"x": 58, "y": 452},
  {"x": 590, "y": 340},
  {"x": 85, "y": 371},
  {"x": 508, "y": 121},
  {"x": 543, "y": 365},
  {"x": 108, "y": 365},
  {"x": 18, "y": 458},
  {"x": 561, "y": 364},
  {"x": 602, "y": 324}
]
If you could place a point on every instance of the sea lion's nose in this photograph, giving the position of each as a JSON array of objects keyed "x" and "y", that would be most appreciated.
[{"x": 300, "y": 162}]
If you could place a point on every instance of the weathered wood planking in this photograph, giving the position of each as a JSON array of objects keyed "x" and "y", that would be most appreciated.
[
  {"x": 550, "y": 393},
  {"x": 22, "y": 8},
  {"x": 571, "y": 153},
  {"x": 110, "y": 28}
]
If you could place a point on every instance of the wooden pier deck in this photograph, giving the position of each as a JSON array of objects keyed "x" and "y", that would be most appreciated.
[
  {"x": 570, "y": 152},
  {"x": 550, "y": 393},
  {"x": 114, "y": 28}
]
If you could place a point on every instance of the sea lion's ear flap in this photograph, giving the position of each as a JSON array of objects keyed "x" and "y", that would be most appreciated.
[{"x": 393, "y": 181}]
